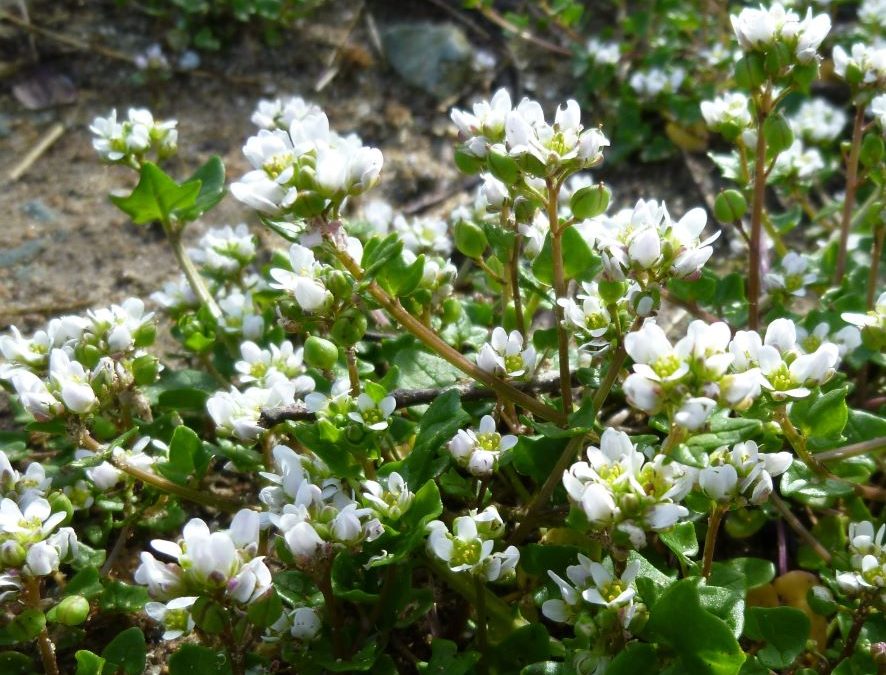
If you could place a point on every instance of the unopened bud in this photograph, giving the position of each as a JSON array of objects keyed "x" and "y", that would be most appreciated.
[
  {"x": 72, "y": 611},
  {"x": 320, "y": 353}
]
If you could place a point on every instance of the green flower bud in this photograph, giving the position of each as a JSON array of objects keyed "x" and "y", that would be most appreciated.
[
  {"x": 59, "y": 501},
  {"x": 12, "y": 554},
  {"x": 590, "y": 201},
  {"x": 348, "y": 329},
  {"x": 749, "y": 71},
  {"x": 144, "y": 369},
  {"x": 320, "y": 353},
  {"x": 470, "y": 239},
  {"x": 88, "y": 355},
  {"x": 337, "y": 283},
  {"x": 72, "y": 611},
  {"x": 144, "y": 336},
  {"x": 730, "y": 206}
]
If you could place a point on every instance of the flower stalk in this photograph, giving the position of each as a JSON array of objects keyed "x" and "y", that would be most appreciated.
[
  {"x": 710, "y": 539},
  {"x": 559, "y": 292},
  {"x": 190, "y": 271},
  {"x": 44, "y": 643},
  {"x": 759, "y": 195},
  {"x": 851, "y": 187}
]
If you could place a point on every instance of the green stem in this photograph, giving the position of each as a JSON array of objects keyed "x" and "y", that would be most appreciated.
[
  {"x": 482, "y": 638},
  {"x": 196, "y": 282},
  {"x": 710, "y": 540},
  {"x": 515, "y": 286},
  {"x": 434, "y": 342},
  {"x": 44, "y": 643},
  {"x": 851, "y": 187},
  {"x": 353, "y": 373},
  {"x": 547, "y": 489},
  {"x": 559, "y": 293}
]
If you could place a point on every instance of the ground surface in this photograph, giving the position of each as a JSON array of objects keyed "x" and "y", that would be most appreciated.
[{"x": 64, "y": 247}]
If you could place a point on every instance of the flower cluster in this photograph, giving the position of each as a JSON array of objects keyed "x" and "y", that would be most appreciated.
[
  {"x": 793, "y": 277},
  {"x": 134, "y": 139},
  {"x": 728, "y": 115},
  {"x": 315, "y": 512},
  {"x": 618, "y": 489},
  {"x": 872, "y": 324},
  {"x": 645, "y": 244},
  {"x": 277, "y": 363},
  {"x": 480, "y": 451},
  {"x": 762, "y": 29},
  {"x": 304, "y": 167},
  {"x": 867, "y": 558},
  {"x": 469, "y": 546},
  {"x": 818, "y": 121},
  {"x": 495, "y": 128},
  {"x": 862, "y": 66},
  {"x": 222, "y": 564},
  {"x": 237, "y": 413},
  {"x": 654, "y": 81},
  {"x": 225, "y": 251},
  {"x": 76, "y": 362},
  {"x": 593, "y": 586},
  {"x": 30, "y": 543},
  {"x": 742, "y": 474},
  {"x": 505, "y": 355}
]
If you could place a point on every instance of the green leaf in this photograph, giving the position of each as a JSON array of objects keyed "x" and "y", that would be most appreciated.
[
  {"x": 26, "y": 625},
  {"x": 725, "y": 430},
  {"x": 379, "y": 252},
  {"x": 703, "y": 642},
  {"x": 86, "y": 583},
  {"x": 682, "y": 540},
  {"x": 121, "y": 597},
  {"x": 801, "y": 483},
  {"x": 127, "y": 651},
  {"x": 821, "y": 415},
  {"x": 197, "y": 660},
  {"x": 863, "y": 426},
  {"x": 13, "y": 663},
  {"x": 637, "y": 657},
  {"x": 264, "y": 611},
  {"x": 157, "y": 197},
  {"x": 579, "y": 262},
  {"x": 536, "y": 457},
  {"x": 182, "y": 390},
  {"x": 445, "y": 660},
  {"x": 783, "y": 629},
  {"x": 525, "y": 645},
  {"x": 420, "y": 369},
  {"x": 211, "y": 177},
  {"x": 443, "y": 418},
  {"x": 89, "y": 663},
  {"x": 186, "y": 456},
  {"x": 742, "y": 574}
]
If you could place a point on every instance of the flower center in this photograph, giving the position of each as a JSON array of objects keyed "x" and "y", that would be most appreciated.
[
  {"x": 176, "y": 619},
  {"x": 277, "y": 164},
  {"x": 666, "y": 365},
  {"x": 514, "y": 362},
  {"x": 613, "y": 589},
  {"x": 489, "y": 441},
  {"x": 781, "y": 378},
  {"x": 465, "y": 552}
]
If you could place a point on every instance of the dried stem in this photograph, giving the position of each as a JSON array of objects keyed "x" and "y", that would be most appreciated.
[
  {"x": 755, "y": 249},
  {"x": 851, "y": 187},
  {"x": 785, "y": 512},
  {"x": 876, "y": 254},
  {"x": 852, "y": 450},
  {"x": 353, "y": 374},
  {"x": 434, "y": 342},
  {"x": 44, "y": 643}
]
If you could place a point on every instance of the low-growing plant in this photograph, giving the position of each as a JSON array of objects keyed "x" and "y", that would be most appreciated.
[{"x": 491, "y": 444}]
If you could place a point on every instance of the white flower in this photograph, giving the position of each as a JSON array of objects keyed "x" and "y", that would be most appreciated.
[
  {"x": 718, "y": 482},
  {"x": 878, "y": 109},
  {"x": 164, "y": 580},
  {"x": 818, "y": 121},
  {"x": 607, "y": 53},
  {"x": 267, "y": 366},
  {"x": 742, "y": 471},
  {"x": 487, "y": 120},
  {"x": 281, "y": 114},
  {"x": 609, "y": 590},
  {"x": 238, "y": 315},
  {"x": 730, "y": 109},
  {"x": 175, "y": 616},
  {"x": 35, "y": 396},
  {"x": 866, "y": 60},
  {"x": 424, "y": 234},
  {"x": 505, "y": 355},
  {"x": 759, "y": 28},
  {"x": 652, "y": 82},
  {"x": 71, "y": 381},
  {"x": 371, "y": 414},
  {"x": 225, "y": 250},
  {"x": 465, "y": 551},
  {"x": 118, "y": 325},
  {"x": 794, "y": 277},
  {"x": 176, "y": 295},
  {"x": 302, "y": 282},
  {"x": 390, "y": 498},
  {"x": 306, "y": 624},
  {"x": 237, "y": 413},
  {"x": 594, "y": 584},
  {"x": 480, "y": 451}
]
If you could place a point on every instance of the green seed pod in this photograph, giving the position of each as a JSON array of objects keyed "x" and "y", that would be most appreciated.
[
  {"x": 145, "y": 369},
  {"x": 320, "y": 353},
  {"x": 348, "y": 329},
  {"x": 72, "y": 611},
  {"x": 590, "y": 201},
  {"x": 611, "y": 291},
  {"x": 778, "y": 133},
  {"x": 88, "y": 355},
  {"x": 778, "y": 57},
  {"x": 503, "y": 167},
  {"x": 871, "y": 150},
  {"x": 451, "y": 310},
  {"x": 144, "y": 336},
  {"x": 730, "y": 206},
  {"x": 470, "y": 239}
]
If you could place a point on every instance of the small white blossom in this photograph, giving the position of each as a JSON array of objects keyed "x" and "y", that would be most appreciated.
[
  {"x": 371, "y": 414},
  {"x": 505, "y": 355},
  {"x": 464, "y": 550},
  {"x": 303, "y": 281},
  {"x": 480, "y": 451}
]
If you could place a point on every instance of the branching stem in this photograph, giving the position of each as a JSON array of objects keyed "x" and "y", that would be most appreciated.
[
  {"x": 44, "y": 643},
  {"x": 851, "y": 187}
]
